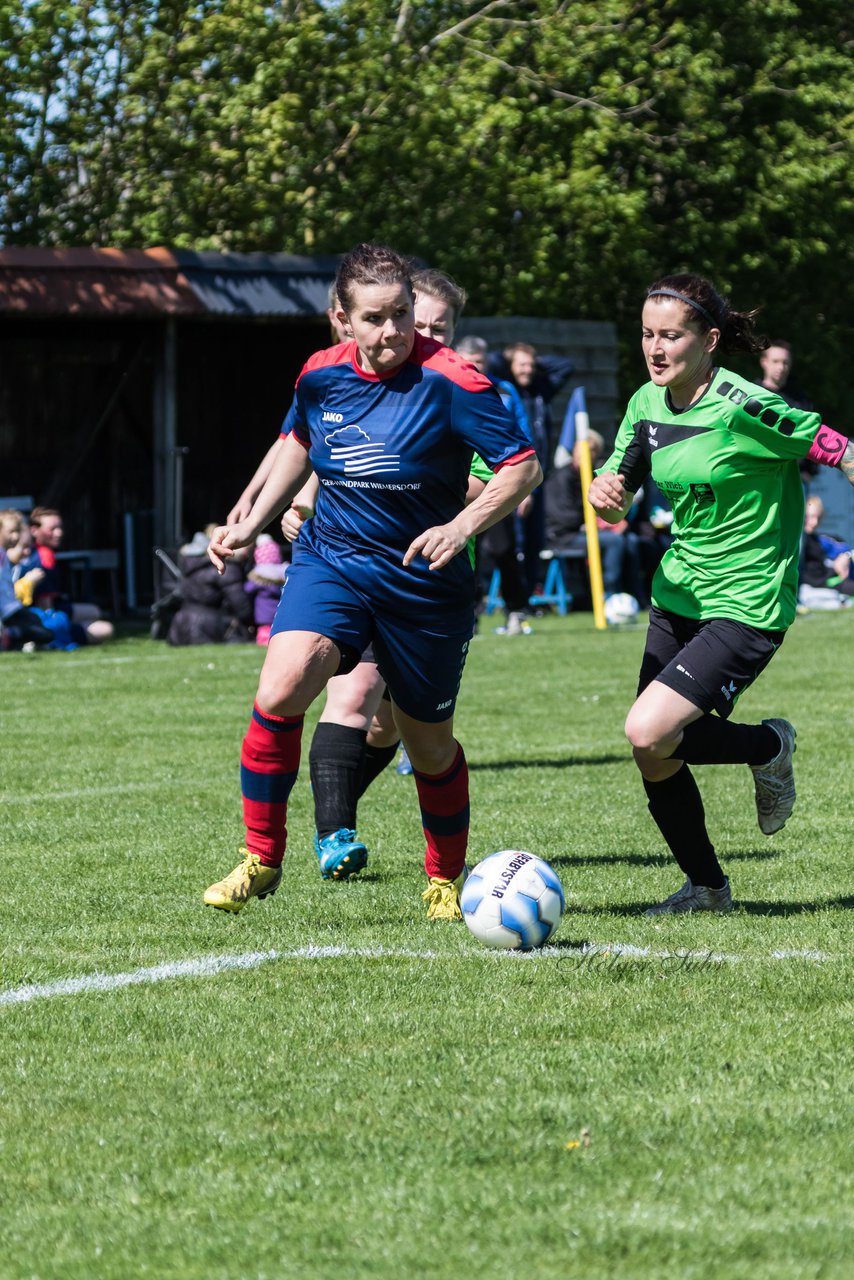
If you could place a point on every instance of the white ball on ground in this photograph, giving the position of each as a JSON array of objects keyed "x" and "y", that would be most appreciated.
[{"x": 513, "y": 900}]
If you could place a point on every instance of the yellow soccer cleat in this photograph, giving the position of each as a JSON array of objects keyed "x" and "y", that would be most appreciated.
[
  {"x": 251, "y": 879},
  {"x": 443, "y": 897}
]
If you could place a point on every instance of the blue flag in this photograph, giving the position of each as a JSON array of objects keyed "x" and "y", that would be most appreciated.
[{"x": 563, "y": 452}]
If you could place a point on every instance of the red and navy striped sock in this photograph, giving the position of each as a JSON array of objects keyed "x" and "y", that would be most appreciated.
[
  {"x": 444, "y": 801},
  {"x": 269, "y": 763}
]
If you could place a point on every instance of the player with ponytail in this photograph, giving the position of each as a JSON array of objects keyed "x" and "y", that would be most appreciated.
[{"x": 725, "y": 452}]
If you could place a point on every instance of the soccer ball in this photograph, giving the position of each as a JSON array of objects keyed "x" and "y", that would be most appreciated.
[
  {"x": 621, "y": 607},
  {"x": 512, "y": 899}
]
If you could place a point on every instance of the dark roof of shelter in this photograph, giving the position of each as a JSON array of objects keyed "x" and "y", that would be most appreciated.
[
  {"x": 259, "y": 284},
  {"x": 161, "y": 282}
]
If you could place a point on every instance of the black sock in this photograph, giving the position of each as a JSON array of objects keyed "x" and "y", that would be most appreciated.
[
  {"x": 715, "y": 741},
  {"x": 677, "y": 810},
  {"x": 335, "y": 766},
  {"x": 374, "y": 761}
]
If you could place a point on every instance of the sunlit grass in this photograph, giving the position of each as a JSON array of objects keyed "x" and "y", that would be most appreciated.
[{"x": 425, "y": 1108}]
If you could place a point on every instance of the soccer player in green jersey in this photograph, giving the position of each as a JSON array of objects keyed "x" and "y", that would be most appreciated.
[{"x": 725, "y": 452}]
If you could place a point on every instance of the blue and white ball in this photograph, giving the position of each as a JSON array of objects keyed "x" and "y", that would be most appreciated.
[
  {"x": 513, "y": 900},
  {"x": 621, "y": 608}
]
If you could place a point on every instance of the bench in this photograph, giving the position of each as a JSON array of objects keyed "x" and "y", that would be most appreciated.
[
  {"x": 554, "y": 586},
  {"x": 22, "y": 502},
  {"x": 86, "y": 564}
]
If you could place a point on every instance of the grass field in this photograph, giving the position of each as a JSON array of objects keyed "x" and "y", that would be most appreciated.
[{"x": 328, "y": 1085}]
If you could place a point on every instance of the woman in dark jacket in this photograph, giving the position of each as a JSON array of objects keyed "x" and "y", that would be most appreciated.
[{"x": 214, "y": 609}]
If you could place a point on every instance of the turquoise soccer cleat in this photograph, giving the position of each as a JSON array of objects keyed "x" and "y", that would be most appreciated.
[{"x": 340, "y": 854}]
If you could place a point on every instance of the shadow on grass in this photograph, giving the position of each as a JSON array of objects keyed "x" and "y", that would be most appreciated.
[
  {"x": 614, "y": 909},
  {"x": 566, "y": 762},
  {"x": 782, "y": 909},
  {"x": 752, "y": 855},
  {"x": 610, "y": 860},
  {"x": 647, "y": 860},
  {"x": 793, "y": 908}
]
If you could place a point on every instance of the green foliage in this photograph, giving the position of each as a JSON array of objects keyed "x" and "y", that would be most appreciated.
[
  {"x": 399, "y": 1101},
  {"x": 554, "y": 156}
]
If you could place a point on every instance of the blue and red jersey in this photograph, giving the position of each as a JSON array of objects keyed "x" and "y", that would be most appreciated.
[
  {"x": 47, "y": 591},
  {"x": 392, "y": 453}
]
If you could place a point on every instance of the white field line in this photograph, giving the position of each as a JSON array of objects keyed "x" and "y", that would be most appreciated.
[
  {"x": 122, "y": 660},
  {"x": 252, "y": 651},
  {"x": 210, "y": 966}
]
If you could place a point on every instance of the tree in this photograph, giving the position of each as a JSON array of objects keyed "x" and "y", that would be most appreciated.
[{"x": 554, "y": 156}]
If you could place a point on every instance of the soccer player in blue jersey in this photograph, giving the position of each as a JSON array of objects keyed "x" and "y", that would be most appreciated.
[
  {"x": 389, "y": 421},
  {"x": 356, "y": 737},
  {"x": 725, "y": 452}
]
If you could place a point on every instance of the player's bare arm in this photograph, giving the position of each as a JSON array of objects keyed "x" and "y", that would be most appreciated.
[
  {"x": 500, "y": 496},
  {"x": 291, "y": 468},
  {"x": 846, "y": 462},
  {"x": 609, "y": 497}
]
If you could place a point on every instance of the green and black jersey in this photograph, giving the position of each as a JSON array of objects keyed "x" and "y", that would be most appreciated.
[{"x": 728, "y": 465}]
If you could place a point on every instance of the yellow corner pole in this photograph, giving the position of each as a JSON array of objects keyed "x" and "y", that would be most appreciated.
[{"x": 594, "y": 557}]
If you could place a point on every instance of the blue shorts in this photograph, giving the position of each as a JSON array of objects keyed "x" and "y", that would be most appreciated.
[{"x": 421, "y": 664}]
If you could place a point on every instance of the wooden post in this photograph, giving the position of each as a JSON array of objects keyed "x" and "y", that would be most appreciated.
[{"x": 166, "y": 533}]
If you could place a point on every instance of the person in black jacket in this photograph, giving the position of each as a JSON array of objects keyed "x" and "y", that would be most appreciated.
[
  {"x": 538, "y": 379},
  {"x": 214, "y": 608}
]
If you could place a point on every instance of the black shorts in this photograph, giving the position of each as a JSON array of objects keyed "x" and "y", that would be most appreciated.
[
  {"x": 368, "y": 655},
  {"x": 710, "y": 663}
]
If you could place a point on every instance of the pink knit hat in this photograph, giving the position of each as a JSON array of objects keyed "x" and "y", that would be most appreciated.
[{"x": 267, "y": 551}]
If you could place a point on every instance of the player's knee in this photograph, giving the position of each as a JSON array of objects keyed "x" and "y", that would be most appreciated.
[
  {"x": 351, "y": 699},
  {"x": 432, "y": 754},
  {"x": 99, "y": 631},
  {"x": 276, "y": 693},
  {"x": 644, "y": 734}
]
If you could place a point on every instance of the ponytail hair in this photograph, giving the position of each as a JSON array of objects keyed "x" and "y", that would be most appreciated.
[
  {"x": 369, "y": 264},
  {"x": 710, "y": 310}
]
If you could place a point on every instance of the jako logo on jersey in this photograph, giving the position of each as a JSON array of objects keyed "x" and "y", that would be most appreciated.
[
  {"x": 332, "y": 417},
  {"x": 352, "y": 446},
  {"x": 443, "y": 705},
  {"x": 729, "y": 691},
  {"x": 684, "y": 670}
]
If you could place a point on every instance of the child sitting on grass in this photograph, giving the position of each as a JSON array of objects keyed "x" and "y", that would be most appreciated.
[{"x": 20, "y": 625}]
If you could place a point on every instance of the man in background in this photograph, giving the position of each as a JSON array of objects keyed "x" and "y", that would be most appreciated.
[
  {"x": 776, "y": 365},
  {"x": 538, "y": 379}
]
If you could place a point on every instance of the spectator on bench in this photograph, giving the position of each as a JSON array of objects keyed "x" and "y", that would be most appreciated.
[
  {"x": 825, "y": 569},
  {"x": 18, "y": 625},
  {"x": 87, "y": 624}
]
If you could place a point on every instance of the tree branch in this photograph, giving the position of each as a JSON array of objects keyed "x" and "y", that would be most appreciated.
[
  {"x": 466, "y": 22},
  {"x": 402, "y": 18},
  {"x": 573, "y": 99}
]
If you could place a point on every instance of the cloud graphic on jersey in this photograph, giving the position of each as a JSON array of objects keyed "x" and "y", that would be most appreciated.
[
  {"x": 347, "y": 435},
  {"x": 352, "y": 446}
]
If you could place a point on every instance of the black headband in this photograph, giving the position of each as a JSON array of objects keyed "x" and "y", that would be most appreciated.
[{"x": 683, "y": 297}]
